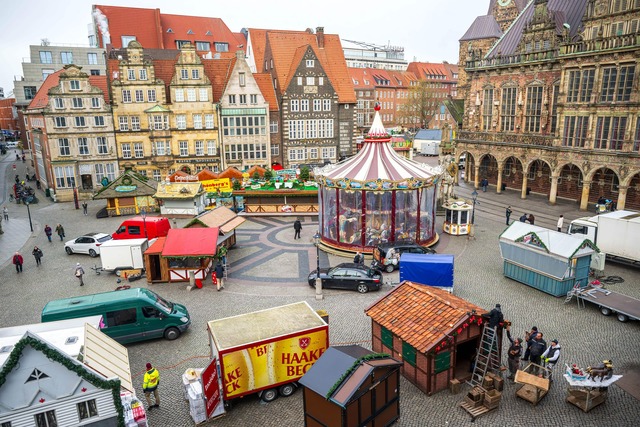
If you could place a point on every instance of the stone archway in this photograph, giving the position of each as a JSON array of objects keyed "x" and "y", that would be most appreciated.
[
  {"x": 487, "y": 168},
  {"x": 466, "y": 161},
  {"x": 538, "y": 176},
  {"x": 570, "y": 180},
  {"x": 512, "y": 174},
  {"x": 604, "y": 183},
  {"x": 632, "y": 199}
]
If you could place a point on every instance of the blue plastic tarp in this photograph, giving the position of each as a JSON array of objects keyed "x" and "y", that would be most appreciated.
[{"x": 427, "y": 269}]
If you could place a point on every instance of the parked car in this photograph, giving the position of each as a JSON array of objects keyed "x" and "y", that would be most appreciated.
[
  {"x": 87, "y": 244},
  {"x": 386, "y": 257},
  {"x": 355, "y": 277}
]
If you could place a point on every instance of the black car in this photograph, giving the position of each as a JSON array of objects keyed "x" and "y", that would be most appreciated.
[
  {"x": 386, "y": 257},
  {"x": 354, "y": 277}
]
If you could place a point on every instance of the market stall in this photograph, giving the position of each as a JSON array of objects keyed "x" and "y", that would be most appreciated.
[
  {"x": 180, "y": 198},
  {"x": 544, "y": 259},
  {"x": 128, "y": 194},
  {"x": 224, "y": 219}
]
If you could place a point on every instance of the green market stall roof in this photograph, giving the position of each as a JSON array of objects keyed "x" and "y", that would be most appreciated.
[
  {"x": 191, "y": 243},
  {"x": 129, "y": 184}
]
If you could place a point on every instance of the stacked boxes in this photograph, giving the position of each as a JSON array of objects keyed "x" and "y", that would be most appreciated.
[
  {"x": 193, "y": 393},
  {"x": 475, "y": 397},
  {"x": 492, "y": 399}
]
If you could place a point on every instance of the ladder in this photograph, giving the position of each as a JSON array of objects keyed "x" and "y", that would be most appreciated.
[
  {"x": 225, "y": 267},
  {"x": 487, "y": 356}
]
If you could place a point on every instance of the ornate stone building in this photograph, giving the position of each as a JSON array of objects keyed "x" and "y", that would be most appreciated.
[{"x": 552, "y": 106}]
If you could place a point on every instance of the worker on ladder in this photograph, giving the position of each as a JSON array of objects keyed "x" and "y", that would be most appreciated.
[{"x": 496, "y": 318}]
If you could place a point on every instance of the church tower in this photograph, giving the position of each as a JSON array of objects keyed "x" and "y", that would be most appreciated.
[{"x": 505, "y": 12}]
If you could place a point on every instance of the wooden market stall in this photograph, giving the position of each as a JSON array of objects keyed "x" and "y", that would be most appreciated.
[
  {"x": 433, "y": 332},
  {"x": 352, "y": 386},
  {"x": 129, "y": 194},
  {"x": 180, "y": 198},
  {"x": 224, "y": 219},
  {"x": 171, "y": 258},
  {"x": 544, "y": 259}
]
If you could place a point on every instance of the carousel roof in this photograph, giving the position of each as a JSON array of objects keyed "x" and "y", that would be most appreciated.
[{"x": 377, "y": 161}]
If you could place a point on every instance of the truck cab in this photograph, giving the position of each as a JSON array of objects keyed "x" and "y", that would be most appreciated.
[{"x": 584, "y": 227}]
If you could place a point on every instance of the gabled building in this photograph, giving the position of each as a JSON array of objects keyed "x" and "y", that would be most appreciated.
[
  {"x": 263, "y": 80},
  {"x": 365, "y": 91},
  {"x": 70, "y": 127}
]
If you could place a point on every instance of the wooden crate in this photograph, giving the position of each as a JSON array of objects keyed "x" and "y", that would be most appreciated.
[
  {"x": 531, "y": 394},
  {"x": 455, "y": 386},
  {"x": 492, "y": 396},
  {"x": 498, "y": 382},
  {"x": 476, "y": 394},
  {"x": 472, "y": 403},
  {"x": 589, "y": 400},
  {"x": 487, "y": 382}
]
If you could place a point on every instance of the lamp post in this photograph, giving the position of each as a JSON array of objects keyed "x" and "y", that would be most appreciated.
[
  {"x": 316, "y": 240},
  {"x": 143, "y": 214},
  {"x": 472, "y": 231},
  {"x": 29, "y": 213}
]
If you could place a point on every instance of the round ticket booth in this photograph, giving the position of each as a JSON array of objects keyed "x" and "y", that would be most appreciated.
[
  {"x": 457, "y": 217},
  {"x": 376, "y": 197}
]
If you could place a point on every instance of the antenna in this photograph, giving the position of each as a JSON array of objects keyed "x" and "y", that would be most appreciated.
[{"x": 44, "y": 42}]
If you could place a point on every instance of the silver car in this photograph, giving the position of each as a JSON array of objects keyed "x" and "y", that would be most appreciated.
[{"x": 87, "y": 244}]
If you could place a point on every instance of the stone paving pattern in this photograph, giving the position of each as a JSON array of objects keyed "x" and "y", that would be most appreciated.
[{"x": 269, "y": 268}]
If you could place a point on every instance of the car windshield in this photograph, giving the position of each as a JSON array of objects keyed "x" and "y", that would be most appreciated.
[
  {"x": 104, "y": 239},
  {"x": 164, "y": 304}
]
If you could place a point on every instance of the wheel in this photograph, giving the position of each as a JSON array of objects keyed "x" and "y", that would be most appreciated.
[
  {"x": 68, "y": 250},
  {"x": 362, "y": 288},
  {"x": 92, "y": 253},
  {"x": 287, "y": 390},
  {"x": 269, "y": 395},
  {"x": 389, "y": 268},
  {"x": 606, "y": 311},
  {"x": 622, "y": 317},
  {"x": 171, "y": 334}
]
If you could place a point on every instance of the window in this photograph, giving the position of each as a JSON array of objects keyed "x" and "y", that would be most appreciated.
[
  {"x": 242, "y": 79},
  {"x": 122, "y": 317},
  {"x": 139, "y": 93},
  {"x": 617, "y": 83},
  {"x": 160, "y": 122},
  {"x": 487, "y": 108},
  {"x": 126, "y": 40},
  {"x": 45, "y": 57},
  {"x": 533, "y": 109},
  {"x": 195, "y": 74},
  {"x": 443, "y": 361},
  {"x": 554, "y": 108},
  {"x": 151, "y": 95},
  {"x": 609, "y": 133},
  {"x": 184, "y": 148},
  {"x": 246, "y": 151},
  {"x": 135, "y": 123},
  {"x": 63, "y": 147},
  {"x": 317, "y": 105},
  {"x": 124, "y": 123},
  {"x": 179, "y": 95},
  {"x": 313, "y": 128},
  {"x": 66, "y": 57},
  {"x": 232, "y": 99},
  {"x": 204, "y": 95},
  {"x": 138, "y": 150},
  {"x": 321, "y": 83},
  {"x": 508, "y": 121},
  {"x": 636, "y": 136},
  {"x": 295, "y": 105},
  {"x": 244, "y": 125},
  {"x": 206, "y": 46},
  {"x": 156, "y": 175},
  {"x": 575, "y": 131},
  {"x": 46, "y": 72},
  {"x": 98, "y": 120},
  {"x": 95, "y": 102},
  {"x": 326, "y": 105},
  {"x": 60, "y": 122},
  {"x": 197, "y": 121},
  {"x": 94, "y": 72},
  {"x": 64, "y": 176},
  {"x": 162, "y": 148},
  {"x": 313, "y": 153},
  {"x": 181, "y": 121},
  {"x": 253, "y": 99},
  {"x": 181, "y": 43},
  {"x": 208, "y": 121},
  {"x": 328, "y": 152},
  {"x": 76, "y": 102},
  {"x": 131, "y": 74},
  {"x": 126, "y": 151},
  {"x": 101, "y": 141},
  {"x": 299, "y": 80},
  {"x": 409, "y": 353},
  {"x": 83, "y": 147},
  {"x": 275, "y": 150},
  {"x": 46, "y": 419},
  {"x": 184, "y": 74},
  {"x": 74, "y": 85},
  {"x": 304, "y": 105},
  {"x": 126, "y": 96},
  {"x": 199, "y": 148},
  {"x": 211, "y": 148},
  {"x": 243, "y": 99},
  {"x": 30, "y": 92},
  {"x": 273, "y": 127},
  {"x": 221, "y": 47},
  {"x": 142, "y": 74},
  {"x": 191, "y": 94},
  {"x": 580, "y": 85},
  {"x": 87, "y": 409},
  {"x": 311, "y": 81}
]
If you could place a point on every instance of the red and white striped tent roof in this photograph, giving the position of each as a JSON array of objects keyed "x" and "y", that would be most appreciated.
[{"x": 377, "y": 161}]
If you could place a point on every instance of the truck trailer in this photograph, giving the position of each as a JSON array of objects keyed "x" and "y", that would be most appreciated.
[
  {"x": 118, "y": 255},
  {"x": 266, "y": 352}
]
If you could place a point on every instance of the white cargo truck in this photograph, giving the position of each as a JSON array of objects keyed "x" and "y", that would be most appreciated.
[
  {"x": 615, "y": 233},
  {"x": 117, "y": 255}
]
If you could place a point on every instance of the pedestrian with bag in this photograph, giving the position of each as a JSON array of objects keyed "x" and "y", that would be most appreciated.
[
  {"x": 150, "y": 385},
  {"x": 297, "y": 226},
  {"x": 79, "y": 273},
  {"x": 550, "y": 357},
  {"x": 48, "y": 232},
  {"x": 514, "y": 353},
  {"x": 18, "y": 261},
  {"x": 218, "y": 276},
  {"x": 508, "y": 213},
  {"x": 60, "y": 231},
  {"x": 37, "y": 254}
]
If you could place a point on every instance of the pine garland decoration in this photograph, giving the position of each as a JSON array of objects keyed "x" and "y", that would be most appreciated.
[{"x": 357, "y": 363}]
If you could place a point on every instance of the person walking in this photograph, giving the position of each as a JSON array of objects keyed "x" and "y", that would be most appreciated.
[
  {"x": 37, "y": 254},
  {"x": 508, "y": 213},
  {"x": 297, "y": 226},
  {"x": 485, "y": 184},
  {"x": 60, "y": 231},
  {"x": 537, "y": 346},
  {"x": 150, "y": 385},
  {"x": 531, "y": 219},
  {"x": 18, "y": 261},
  {"x": 218, "y": 276},
  {"x": 48, "y": 232},
  {"x": 514, "y": 353},
  {"x": 79, "y": 273},
  {"x": 5, "y": 213},
  {"x": 523, "y": 218},
  {"x": 550, "y": 357},
  {"x": 85, "y": 207},
  {"x": 358, "y": 259},
  {"x": 560, "y": 223}
]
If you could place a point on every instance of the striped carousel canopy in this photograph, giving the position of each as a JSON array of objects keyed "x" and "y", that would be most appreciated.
[{"x": 377, "y": 167}]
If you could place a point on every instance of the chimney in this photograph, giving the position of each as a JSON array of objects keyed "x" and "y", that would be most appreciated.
[{"x": 320, "y": 36}]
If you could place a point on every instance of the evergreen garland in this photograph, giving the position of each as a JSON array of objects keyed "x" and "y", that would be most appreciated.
[
  {"x": 56, "y": 356},
  {"x": 357, "y": 363}
]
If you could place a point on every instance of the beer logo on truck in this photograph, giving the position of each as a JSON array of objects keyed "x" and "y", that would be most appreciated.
[{"x": 304, "y": 342}]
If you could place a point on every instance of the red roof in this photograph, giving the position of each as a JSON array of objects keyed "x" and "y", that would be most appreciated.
[
  {"x": 101, "y": 83},
  {"x": 144, "y": 24},
  {"x": 361, "y": 78},
  {"x": 191, "y": 242},
  {"x": 156, "y": 247},
  {"x": 41, "y": 99},
  {"x": 196, "y": 28},
  {"x": 219, "y": 72},
  {"x": 264, "y": 82}
]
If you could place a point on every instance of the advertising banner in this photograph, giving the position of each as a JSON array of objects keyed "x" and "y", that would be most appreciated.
[
  {"x": 211, "y": 387},
  {"x": 213, "y": 185}
]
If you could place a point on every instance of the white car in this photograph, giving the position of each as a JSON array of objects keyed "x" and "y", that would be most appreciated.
[{"x": 87, "y": 244}]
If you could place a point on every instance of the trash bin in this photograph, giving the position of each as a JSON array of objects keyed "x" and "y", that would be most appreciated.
[
  {"x": 528, "y": 190},
  {"x": 47, "y": 192},
  {"x": 504, "y": 187}
]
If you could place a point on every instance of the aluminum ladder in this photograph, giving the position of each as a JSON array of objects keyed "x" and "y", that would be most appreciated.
[{"x": 487, "y": 356}]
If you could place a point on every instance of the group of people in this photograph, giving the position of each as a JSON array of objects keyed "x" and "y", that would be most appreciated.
[
  {"x": 532, "y": 219},
  {"x": 537, "y": 351},
  {"x": 59, "y": 230}
]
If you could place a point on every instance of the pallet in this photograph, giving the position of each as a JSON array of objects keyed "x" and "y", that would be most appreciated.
[{"x": 475, "y": 412}]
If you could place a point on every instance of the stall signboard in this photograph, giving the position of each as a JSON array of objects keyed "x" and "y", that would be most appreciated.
[
  {"x": 211, "y": 387},
  {"x": 289, "y": 172},
  {"x": 213, "y": 185}
]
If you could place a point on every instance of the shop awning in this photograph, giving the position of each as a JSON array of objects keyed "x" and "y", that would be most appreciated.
[{"x": 191, "y": 242}]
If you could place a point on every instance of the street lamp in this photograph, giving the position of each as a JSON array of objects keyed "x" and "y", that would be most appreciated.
[
  {"x": 316, "y": 240},
  {"x": 29, "y": 213},
  {"x": 143, "y": 214},
  {"x": 472, "y": 230}
]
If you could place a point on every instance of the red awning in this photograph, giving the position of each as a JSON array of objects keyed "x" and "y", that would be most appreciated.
[{"x": 191, "y": 242}]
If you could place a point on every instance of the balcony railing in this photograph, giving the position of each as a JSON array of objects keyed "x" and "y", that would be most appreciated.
[
  {"x": 511, "y": 60},
  {"x": 507, "y": 138},
  {"x": 599, "y": 45}
]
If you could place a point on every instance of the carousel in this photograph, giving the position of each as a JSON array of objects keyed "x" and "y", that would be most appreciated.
[{"x": 376, "y": 197}]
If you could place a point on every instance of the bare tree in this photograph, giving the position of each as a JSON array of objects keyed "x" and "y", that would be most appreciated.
[{"x": 420, "y": 105}]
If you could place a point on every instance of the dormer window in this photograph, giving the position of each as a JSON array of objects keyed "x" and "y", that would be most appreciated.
[
  {"x": 222, "y": 47},
  {"x": 74, "y": 85},
  {"x": 184, "y": 74},
  {"x": 181, "y": 43},
  {"x": 190, "y": 32},
  {"x": 195, "y": 74},
  {"x": 169, "y": 30},
  {"x": 208, "y": 33}
]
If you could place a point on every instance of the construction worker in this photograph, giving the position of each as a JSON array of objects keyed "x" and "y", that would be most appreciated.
[
  {"x": 150, "y": 385},
  {"x": 550, "y": 356}
]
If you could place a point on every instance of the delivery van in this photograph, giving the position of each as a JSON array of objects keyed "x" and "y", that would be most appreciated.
[
  {"x": 142, "y": 228},
  {"x": 129, "y": 315}
]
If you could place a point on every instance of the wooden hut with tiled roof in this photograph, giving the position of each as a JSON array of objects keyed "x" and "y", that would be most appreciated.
[
  {"x": 434, "y": 333},
  {"x": 129, "y": 193}
]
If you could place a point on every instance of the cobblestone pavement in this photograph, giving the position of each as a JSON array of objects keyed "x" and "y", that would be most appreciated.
[{"x": 269, "y": 268}]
